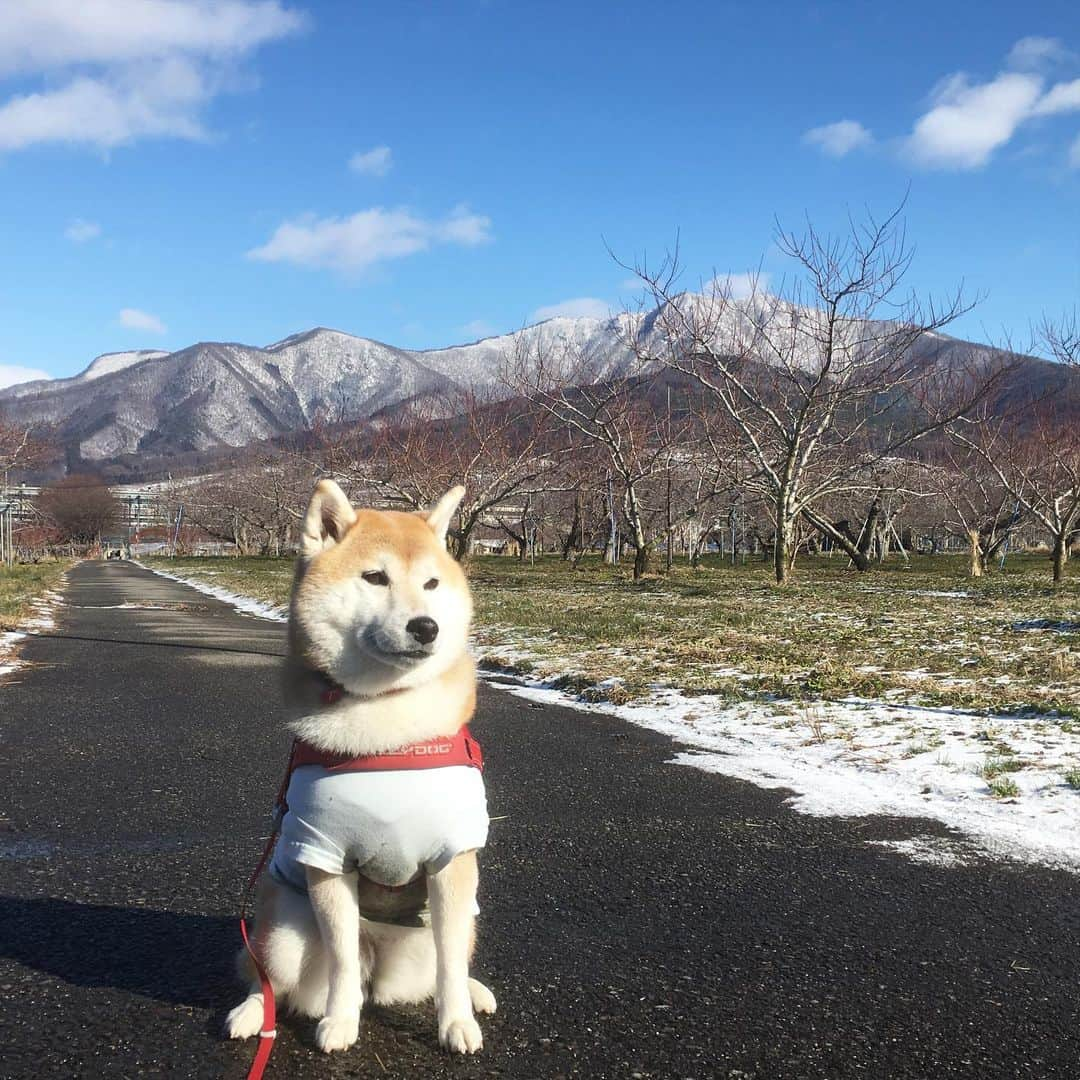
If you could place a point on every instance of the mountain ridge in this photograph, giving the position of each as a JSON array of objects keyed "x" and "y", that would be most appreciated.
[{"x": 215, "y": 395}]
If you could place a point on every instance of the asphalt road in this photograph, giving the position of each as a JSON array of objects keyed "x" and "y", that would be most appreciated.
[{"x": 640, "y": 919}]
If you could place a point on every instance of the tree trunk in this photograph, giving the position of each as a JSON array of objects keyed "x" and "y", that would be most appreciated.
[
  {"x": 459, "y": 545},
  {"x": 523, "y": 555},
  {"x": 670, "y": 531},
  {"x": 978, "y": 559},
  {"x": 884, "y": 541},
  {"x": 697, "y": 547},
  {"x": 1061, "y": 557},
  {"x": 632, "y": 512},
  {"x": 574, "y": 539},
  {"x": 782, "y": 565},
  {"x": 869, "y": 530},
  {"x": 611, "y": 551},
  {"x": 641, "y": 561},
  {"x": 641, "y": 543},
  {"x": 842, "y": 541}
]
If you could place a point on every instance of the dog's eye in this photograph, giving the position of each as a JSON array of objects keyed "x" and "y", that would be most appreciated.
[
  {"x": 376, "y": 577},
  {"x": 431, "y": 583}
]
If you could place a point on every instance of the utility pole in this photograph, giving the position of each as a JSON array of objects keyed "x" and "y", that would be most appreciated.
[
  {"x": 734, "y": 517},
  {"x": 4, "y": 529},
  {"x": 670, "y": 535},
  {"x": 612, "y": 553},
  {"x": 176, "y": 533},
  {"x": 7, "y": 536},
  {"x": 138, "y": 519}
]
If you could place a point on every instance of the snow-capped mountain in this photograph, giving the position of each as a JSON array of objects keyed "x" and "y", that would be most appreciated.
[
  {"x": 107, "y": 363},
  {"x": 602, "y": 343},
  {"x": 216, "y": 395}
]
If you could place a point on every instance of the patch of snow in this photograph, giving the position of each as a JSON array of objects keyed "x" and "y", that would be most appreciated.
[
  {"x": 107, "y": 363},
  {"x": 935, "y": 850},
  {"x": 8, "y": 641},
  {"x": 243, "y": 604},
  {"x": 42, "y": 619},
  {"x": 854, "y": 758}
]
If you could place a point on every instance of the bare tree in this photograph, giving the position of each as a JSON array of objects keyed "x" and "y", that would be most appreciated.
[
  {"x": 1062, "y": 338},
  {"x": 257, "y": 506},
  {"x": 612, "y": 422},
  {"x": 980, "y": 509},
  {"x": 822, "y": 380},
  {"x": 494, "y": 447},
  {"x": 21, "y": 447},
  {"x": 81, "y": 508},
  {"x": 1034, "y": 450}
]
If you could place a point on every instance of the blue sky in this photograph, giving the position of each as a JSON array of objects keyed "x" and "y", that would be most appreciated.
[{"x": 425, "y": 174}]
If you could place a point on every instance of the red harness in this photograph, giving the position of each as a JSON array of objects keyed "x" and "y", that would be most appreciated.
[{"x": 459, "y": 749}]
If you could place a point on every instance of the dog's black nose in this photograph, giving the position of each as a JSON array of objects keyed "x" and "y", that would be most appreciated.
[{"x": 424, "y": 628}]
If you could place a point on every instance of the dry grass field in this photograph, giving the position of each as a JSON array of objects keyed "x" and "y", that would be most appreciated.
[
  {"x": 22, "y": 584},
  {"x": 926, "y": 633}
]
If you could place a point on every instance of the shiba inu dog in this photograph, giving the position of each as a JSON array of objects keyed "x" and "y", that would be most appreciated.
[{"x": 378, "y": 665}]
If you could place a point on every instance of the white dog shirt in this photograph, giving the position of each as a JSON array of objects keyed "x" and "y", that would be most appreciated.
[{"x": 389, "y": 826}]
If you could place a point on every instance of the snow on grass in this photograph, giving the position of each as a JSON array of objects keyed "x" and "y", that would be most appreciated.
[
  {"x": 1001, "y": 780},
  {"x": 42, "y": 617},
  {"x": 8, "y": 641},
  {"x": 244, "y": 604}
]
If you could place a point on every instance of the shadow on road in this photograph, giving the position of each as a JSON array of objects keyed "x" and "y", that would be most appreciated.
[{"x": 173, "y": 958}]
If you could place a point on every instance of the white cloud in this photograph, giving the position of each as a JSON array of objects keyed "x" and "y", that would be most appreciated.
[
  {"x": 79, "y": 231},
  {"x": 840, "y": 138},
  {"x": 370, "y": 236},
  {"x": 373, "y": 162},
  {"x": 464, "y": 227},
  {"x": 109, "y": 112},
  {"x": 580, "y": 307},
  {"x": 51, "y": 34},
  {"x": 11, "y": 374},
  {"x": 134, "y": 319},
  {"x": 478, "y": 328},
  {"x": 1036, "y": 53},
  {"x": 969, "y": 121},
  {"x": 136, "y": 68},
  {"x": 1064, "y": 97}
]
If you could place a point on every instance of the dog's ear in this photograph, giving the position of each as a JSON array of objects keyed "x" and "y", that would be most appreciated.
[
  {"x": 438, "y": 517},
  {"x": 328, "y": 517}
]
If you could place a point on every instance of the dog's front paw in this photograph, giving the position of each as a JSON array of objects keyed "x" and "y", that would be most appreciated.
[
  {"x": 461, "y": 1036},
  {"x": 337, "y": 1032},
  {"x": 246, "y": 1019},
  {"x": 483, "y": 1000}
]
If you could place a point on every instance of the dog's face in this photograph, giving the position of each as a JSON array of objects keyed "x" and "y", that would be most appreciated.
[{"x": 377, "y": 600}]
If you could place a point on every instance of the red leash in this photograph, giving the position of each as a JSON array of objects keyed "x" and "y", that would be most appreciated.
[
  {"x": 268, "y": 1032},
  {"x": 459, "y": 749}
]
